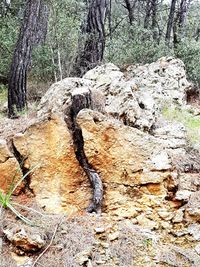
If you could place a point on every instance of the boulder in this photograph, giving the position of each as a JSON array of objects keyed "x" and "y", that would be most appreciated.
[
  {"x": 123, "y": 156},
  {"x": 140, "y": 157},
  {"x": 58, "y": 96},
  {"x": 138, "y": 96}
]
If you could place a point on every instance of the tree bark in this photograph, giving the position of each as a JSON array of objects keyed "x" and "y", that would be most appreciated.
[
  {"x": 81, "y": 100},
  {"x": 32, "y": 32},
  {"x": 148, "y": 13},
  {"x": 91, "y": 48},
  {"x": 180, "y": 21},
  {"x": 130, "y": 7},
  {"x": 170, "y": 21},
  {"x": 154, "y": 6}
]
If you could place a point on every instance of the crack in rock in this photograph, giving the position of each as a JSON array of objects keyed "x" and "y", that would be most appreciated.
[{"x": 81, "y": 99}]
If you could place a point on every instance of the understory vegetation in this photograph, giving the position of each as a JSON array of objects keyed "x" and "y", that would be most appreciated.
[{"x": 141, "y": 41}]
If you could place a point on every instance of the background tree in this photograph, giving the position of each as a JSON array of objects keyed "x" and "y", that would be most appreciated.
[
  {"x": 32, "y": 32},
  {"x": 92, "y": 39},
  {"x": 170, "y": 22},
  {"x": 129, "y": 39}
]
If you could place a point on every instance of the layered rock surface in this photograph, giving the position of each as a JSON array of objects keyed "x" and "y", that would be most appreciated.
[
  {"x": 10, "y": 171},
  {"x": 126, "y": 140}
]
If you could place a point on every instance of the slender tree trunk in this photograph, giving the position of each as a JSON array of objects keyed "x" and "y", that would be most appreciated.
[
  {"x": 154, "y": 27},
  {"x": 170, "y": 21},
  {"x": 197, "y": 34},
  {"x": 180, "y": 21},
  {"x": 32, "y": 32},
  {"x": 148, "y": 14},
  {"x": 92, "y": 46},
  {"x": 130, "y": 7}
]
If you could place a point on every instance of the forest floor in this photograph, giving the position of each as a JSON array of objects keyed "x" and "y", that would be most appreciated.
[{"x": 93, "y": 240}]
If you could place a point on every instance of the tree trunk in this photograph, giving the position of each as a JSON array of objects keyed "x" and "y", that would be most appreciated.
[
  {"x": 170, "y": 21},
  {"x": 148, "y": 14},
  {"x": 130, "y": 7},
  {"x": 154, "y": 27},
  {"x": 32, "y": 32},
  {"x": 180, "y": 21},
  {"x": 197, "y": 34},
  {"x": 92, "y": 43}
]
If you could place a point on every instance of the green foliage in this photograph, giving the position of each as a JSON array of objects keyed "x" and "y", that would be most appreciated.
[
  {"x": 61, "y": 43},
  {"x": 6, "y": 202},
  {"x": 189, "y": 52},
  {"x": 9, "y": 27},
  {"x": 126, "y": 45},
  {"x": 3, "y": 94},
  {"x": 135, "y": 46}
]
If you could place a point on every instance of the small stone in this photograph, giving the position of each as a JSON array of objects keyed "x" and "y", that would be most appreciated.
[
  {"x": 113, "y": 236},
  {"x": 134, "y": 221},
  {"x": 197, "y": 249},
  {"x": 126, "y": 213},
  {"x": 179, "y": 215},
  {"x": 100, "y": 230},
  {"x": 147, "y": 223},
  {"x": 194, "y": 230},
  {"x": 105, "y": 245},
  {"x": 166, "y": 225},
  {"x": 26, "y": 240},
  {"x": 83, "y": 256},
  {"x": 165, "y": 215}
]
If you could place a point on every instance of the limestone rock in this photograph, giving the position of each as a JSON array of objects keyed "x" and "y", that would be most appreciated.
[
  {"x": 28, "y": 240},
  {"x": 116, "y": 152},
  {"x": 194, "y": 230},
  {"x": 193, "y": 205},
  {"x": 165, "y": 77},
  {"x": 83, "y": 257},
  {"x": 121, "y": 155},
  {"x": 146, "y": 223},
  {"x": 138, "y": 96},
  {"x": 58, "y": 181},
  {"x": 58, "y": 96}
]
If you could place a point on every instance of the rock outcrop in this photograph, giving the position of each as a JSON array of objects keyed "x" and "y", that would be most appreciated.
[{"x": 126, "y": 140}]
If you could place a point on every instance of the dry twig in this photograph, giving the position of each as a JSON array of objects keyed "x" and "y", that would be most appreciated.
[{"x": 44, "y": 251}]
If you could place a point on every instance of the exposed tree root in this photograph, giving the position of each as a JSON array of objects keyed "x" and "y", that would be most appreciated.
[{"x": 81, "y": 100}]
